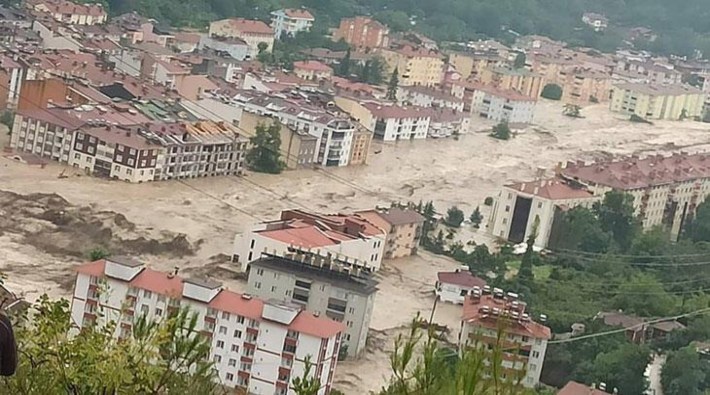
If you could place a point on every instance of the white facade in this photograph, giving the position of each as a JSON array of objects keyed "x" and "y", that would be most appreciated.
[
  {"x": 285, "y": 24},
  {"x": 429, "y": 98},
  {"x": 393, "y": 129},
  {"x": 249, "y": 246},
  {"x": 41, "y": 138},
  {"x": 255, "y": 345},
  {"x": 236, "y": 48},
  {"x": 499, "y": 108}
]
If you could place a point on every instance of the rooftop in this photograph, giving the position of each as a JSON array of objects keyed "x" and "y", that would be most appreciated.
[
  {"x": 635, "y": 173},
  {"x": 461, "y": 278},
  {"x": 327, "y": 272},
  {"x": 389, "y": 110},
  {"x": 660, "y": 89},
  {"x": 312, "y": 65},
  {"x": 503, "y": 93},
  {"x": 553, "y": 189},
  {"x": 574, "y": 388},
  {"x": 481, "y": 312},
  {"x": 397, "y": 216},
  {"x": 297, "y": 13},
  {"x": 248, "y": 26}
]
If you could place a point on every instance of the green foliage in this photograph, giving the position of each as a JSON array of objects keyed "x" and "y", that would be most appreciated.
[
  {"x": 637, "y": 119},
  {"x": 572, "y": 111},
  {"x": 307, "y": 383},
  {"x": 552, "y": 92},
  {"x": 684, "y": 373},
  {"x": 501, "y": 131},
  {"x": 393, "y": 85},
  {"x": 621, "y": 368},
  {"x": 519, "y": 62},
  {"x": 344, "y": 67},
  {"x": 7, "y": 118},
  {"x": 168, "y": 357},
  {"x": 579, "y": 229},
  {"x": 616, "y": 215},
  {"x": 476, "y": 218},
  {"x": 488, "y": 201},
  {"x": 656, "y": 302},
  {"x": 98, "y": 253},
  {"x": 454, "y": 217},
  {"x": 264, "y": 155},
  {"x": 698, "y": 228}
]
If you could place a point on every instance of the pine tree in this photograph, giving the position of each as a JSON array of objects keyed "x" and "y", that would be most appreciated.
[
  {"x": 264, "y": 155},
  {"x": 344, "y": 69},
  {"x": 393, "y": 85}
]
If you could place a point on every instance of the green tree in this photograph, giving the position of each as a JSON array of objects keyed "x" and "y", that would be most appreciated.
[
  {"x": 698, "y": 228},
  {"x": 264, "y": 155},
  {"x": 579, "y": 229},
  {"x": 344, "y": 67},
  {"x": 684, "y": 373},
  {"x": 623, "y": 368},
  {"x": 655, "y": 301},
  {"x": 307, "y": 383},
  {"x": 98, "y": 253},
  {"x": 552, "y": 92},
  {"x": 393, "y": 85},
  {"x": 525, "y": 274},
  {"x": 168, "y": 357},
  {"x": 476, "y": 217},
  {"x": 501, "y": 131},
  {"x": 616, "y": 215},
  {"x": 520, "y": 60},
  {"x": 454, "y": 217}
]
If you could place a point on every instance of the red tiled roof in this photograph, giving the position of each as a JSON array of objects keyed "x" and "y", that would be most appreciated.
[
  {"x": 462, "y": 278},
  {"x": 298, "y": 13},
  {"x": 158, "y": 282},
  {"x": 379, "y": 110},
  {"x": 473, "y": 315},
  {"x": 324, "y": 328},
  {"x": 95, "y": 268},
  {"x": 311, "y": 65},
  {"x": 504, "y": 93},
  {"x": 574, "y": 388},
  {"x": 251, "y": 26},
  {"x": 192, "y": 38},
  {"x": 235, "y": 303},
  {"x": 636, "y": 173},
  {"x": 307, "y": 236},
  {"x": 68, "y": 7},
  {"x": 54, "y": 116},
  {"x": 553, "y": 189}
]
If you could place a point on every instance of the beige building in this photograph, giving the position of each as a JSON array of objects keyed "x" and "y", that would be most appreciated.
[
  {"x": 360, "y": 149},
  {"x": 70, "y": 12},
  {"x": 416, "y": 66},
  {"x": 648, "y": 101},
  {"x": 312, "y": 70},
  {"x": 473, "y": 64},
  {"x": 519, "y": 80},
  {"x": 520, "y": 207},
  {"x": 298, "y": 148},
  {"x": 403, "y": 227},
  {"x": 586, "y": 86},
  {"x": 252, "y": 32}
]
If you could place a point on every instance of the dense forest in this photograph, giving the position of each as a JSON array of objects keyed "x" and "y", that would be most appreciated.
[{"x": 680, "y": 28}]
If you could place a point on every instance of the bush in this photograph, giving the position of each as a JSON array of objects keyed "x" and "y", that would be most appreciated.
[
  {"x": 7, "y": 118},
  {"x": 454, "y": 217},
  {"x": 488, "y": 201},
  {"x": 501, "y": 131},
  {"x": 552, "y": 92},
  {"x": 636, "y": 119}
]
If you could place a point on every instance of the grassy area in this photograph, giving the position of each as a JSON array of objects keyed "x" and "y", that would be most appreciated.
[{"x": 540, "y": 272}]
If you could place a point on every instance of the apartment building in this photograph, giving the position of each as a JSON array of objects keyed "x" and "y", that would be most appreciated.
[
  {"x": 251, "y": 31},
  {"x": 403, "y": 228},
  {"x": 69, "y": 12},
  {"x": 446, "y": 123},
  {"x": 666, "y": 189},
  {"x": 421, "y": 96},
  {"x": 416, "y": 66},
  {"x": 312, "y": 70},
  {"x": 471, "y": 65},
  {"x": 523, "y": 343},
  {"x": 291, "y": 21},
  {"x": 520, "y": 80},
  {"x": 256, "y": 346},
  {"x": 348, "y": 237},
  {"x": 46, "y": 133},
  {"x": 454, "y": 287},
  {"x": 652, "y": 101},
  {"x": 322, "y": 285},
  {"x": 362, "y": 32},
  {"x": 502, "y": 105},
  {"x": 234, "y": 46},
  {"x": 391, "y": 122},
  {"x": 362, "y": 138},
  {"x": 525, "y": 207},
  {"x": 334, "y": 131},
  {"x": 297, "y": 149},
  {"x": 586, "y": 86}
]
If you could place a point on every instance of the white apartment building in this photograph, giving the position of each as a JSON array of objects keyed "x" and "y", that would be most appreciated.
[
  {"x": 454, "y": 287},
  {"x": 422, "y": 96},
  {"x": 333, "y": 131},
  {"x": 521, "y": 206},
  {"x": 291, "y": 21},
  {"x": 524, "y": 341},
  {"x": 391, "y": 122},
  {"x": 45, "y": 133},
  {"x": 501, "y": 105},
  {"x": 346, "y": 237},
  {"x": 257, "y": 346}
]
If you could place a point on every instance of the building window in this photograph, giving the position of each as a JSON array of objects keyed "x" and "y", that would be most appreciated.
[
  {"x": 230, "y": 377},
  {"x": 129, "y": 171},
  {"x": 159, "y": 312},
  {"x": 257, "y": 285},
  {"x": 237, "y": 333},
  {"x": 116, "y": 168},
  {"x": 240, "y": 319},
  {"x": 225, "y": 316},
  {"x": 235, "y": 348},
  {"x": 217, "y": 359},
  {"x": 536, "y": 354},
  {"x": 222, "y": 330},
  {"x": 507, "y": 209},
  {"x": 144, "y": 309},
  {"x": 273, "y": 288},
  {"x": 350, "y": 324},
  {"x": 77, "y": 156},
  {"x": 220, "y": 344},
  {"x": 147, "y": 294},
  {"x": 260, "y": 272}
]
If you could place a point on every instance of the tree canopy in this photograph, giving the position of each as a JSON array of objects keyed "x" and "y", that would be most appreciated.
[{"x": 265, "y": 155}]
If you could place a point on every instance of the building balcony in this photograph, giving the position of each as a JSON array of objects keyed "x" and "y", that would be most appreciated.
[
  {"x": 290, "y": 341},
  {"x": 246, "y": 359},
  {"x": 210, "y": 319},
  {"x": 206, "y": 333},
  {"x": 252, "y": 331}
]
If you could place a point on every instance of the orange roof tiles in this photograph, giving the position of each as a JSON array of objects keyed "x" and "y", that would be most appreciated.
[
  {"x": 324, "y": 328},
  {"x": 473, "y": 315},
  {"x": 461, "y": 278},
  {"x": 574, "y": 388},
  {"x": 158, "y": 282},
  {"x": 95, "y": 268},
  {"x": 553, "y": 189},
  {"x": 311, "y": 65},
  {"x": 380, "y": 110},
  {"x": 235, "y": 303},
  {"x": 307, "y": 236},
  {"x": 298, "y": 13},
  {"x": 251, "y": 26}
]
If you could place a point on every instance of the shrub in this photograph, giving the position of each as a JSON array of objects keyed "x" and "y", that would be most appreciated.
[{"x": 552, "y": 92}]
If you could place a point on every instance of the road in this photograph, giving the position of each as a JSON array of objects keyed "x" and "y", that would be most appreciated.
[{"x": 653, "y": 374}]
